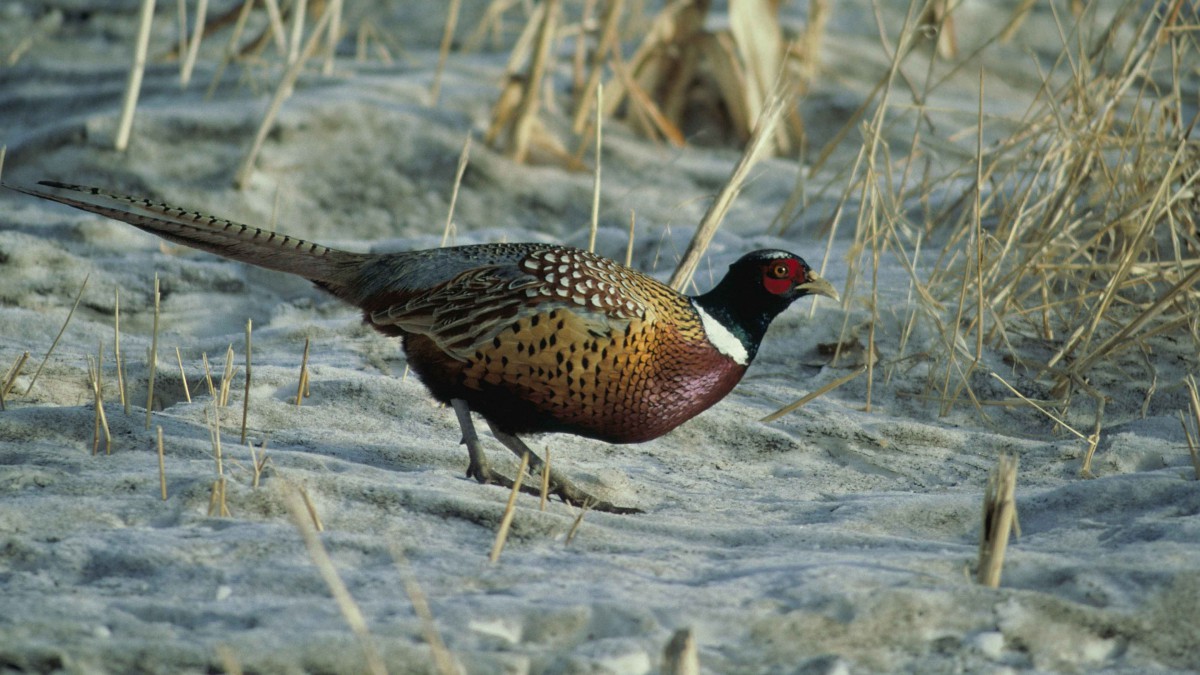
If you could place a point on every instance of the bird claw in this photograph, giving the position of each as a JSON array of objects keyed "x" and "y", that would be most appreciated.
[
  {"x": 480, "y": 472},
  {"x": 577, "y": 497},
  {"x": 559, "y": 487}
]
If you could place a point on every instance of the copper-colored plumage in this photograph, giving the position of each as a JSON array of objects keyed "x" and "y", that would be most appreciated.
[{"x": 532, "y": 337}]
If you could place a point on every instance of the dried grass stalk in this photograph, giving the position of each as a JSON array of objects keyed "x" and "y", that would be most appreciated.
[
  {"x": 341, "y": 594},
  {"x": 246, "y": 395},
  {"x": 302, "y": 386},
  {"x": 57, "y": 337},
  {"x": 117, "y": 351},
  {"x": 162, "y": 464},
  {"x": 444, "y": 51},
  {"x": 94, "y": 379},
  {"x": 514, "y": 117},
  {"x": 10, "y": 377},
  {"x": 133, "y": 86},
  {"x": 828, "y": 387},
  {"x": 608, "y": 39},
  {"x": 443, "y": 660},
  {"x": 193, "y": 48},
  {"x": 510, "y": 510},
  {"x": 153, "y": 356},
  {"x": 1193, "y": 443},
  {"x": 187, "y": 392},
  {"x": 680, "y": 656},
  {"x": 282, "y": 91},
  {"x": 999, "y": 518},
  {"x": 758, "y": 147}
]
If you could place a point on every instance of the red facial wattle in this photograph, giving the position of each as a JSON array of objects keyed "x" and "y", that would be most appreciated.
[{"x": 780, "y": 276}]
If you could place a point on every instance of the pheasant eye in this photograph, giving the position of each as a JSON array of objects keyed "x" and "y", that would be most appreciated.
[{"x": 781, "y": 271}]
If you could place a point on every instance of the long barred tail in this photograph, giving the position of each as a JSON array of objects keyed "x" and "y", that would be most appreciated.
[{"x": 226, "y": 238}]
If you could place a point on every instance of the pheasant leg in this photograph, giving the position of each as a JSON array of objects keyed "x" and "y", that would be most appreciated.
[
  {"x": 478, "y": 467},
  {"x": 559, "y": 484}
]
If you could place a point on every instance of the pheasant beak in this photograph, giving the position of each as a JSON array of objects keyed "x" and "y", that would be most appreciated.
[{"x": 816, "y": 285}]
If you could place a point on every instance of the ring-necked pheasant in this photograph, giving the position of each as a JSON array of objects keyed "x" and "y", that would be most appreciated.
[{"x": 532, "y": 337}]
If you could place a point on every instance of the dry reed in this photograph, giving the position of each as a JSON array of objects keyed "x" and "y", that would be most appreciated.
[
  {"x": 680, "y": 656},
  {"x": 545, "y": 488},
  {"x": 246, "y": 394},
  {"x": 120, "y": 362},
  {"x": 153, "y": 357},
  {"x": 577, "y": 523},
  {"x": 757, "y": 148},
  {"x": 162, "y": 464},
  {"x": 217, "y": 504},
  {"x": 94, "y": 380},
  {"x": 282, "y": 91},
  {"x": 509, "y": 511},
  {"x": 1066, "y": 245},
  {"x": 193, "y": 48},
  {"x": 311, "y": 509},
  {"x": 302, "y": 386},
  {"x": 999, "y": 519},
  {"x": 10, "y": 377},
  {"x": 443, "y": 661},
  {"x": 444, "y": 50},
  {"x": 133, "y": 86},
  {"x": 226, "y": 378},
  {"x": 187, "y": 392},
  {"x": 57, "y": 337},
  {"x": 459, "y": 171},
  {"x": 341, "y": 594},
  {"x": 1193, "y": 441},
  {"x": 595, "y": 219}
]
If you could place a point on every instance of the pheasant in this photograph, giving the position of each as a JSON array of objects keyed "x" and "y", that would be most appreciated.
[{"x": 534, "y": 338}]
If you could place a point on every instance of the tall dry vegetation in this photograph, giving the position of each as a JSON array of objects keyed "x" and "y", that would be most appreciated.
[
  {"x": 1070, "y": 246},
  {"x": 1066, "y": 244}
]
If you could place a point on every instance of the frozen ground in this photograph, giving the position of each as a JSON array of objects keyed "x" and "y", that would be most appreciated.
[{"x": 833, "y": 540}]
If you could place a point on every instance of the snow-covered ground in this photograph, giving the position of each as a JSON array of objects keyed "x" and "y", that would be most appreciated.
[{"x": 833, "y": 540}]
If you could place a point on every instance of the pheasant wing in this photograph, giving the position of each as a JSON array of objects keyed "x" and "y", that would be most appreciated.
[{"x": 473, "y": 307}]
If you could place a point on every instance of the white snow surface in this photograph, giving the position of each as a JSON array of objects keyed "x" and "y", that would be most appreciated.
[{"x": 836, "y": 539}]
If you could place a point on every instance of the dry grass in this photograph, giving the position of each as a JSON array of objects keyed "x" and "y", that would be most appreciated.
[
  {"x": 302, "y": 385},
  {"x": 545, "y": 487},
  {"x": 999, "y": 520},
  {"x": 510, "y": 510},
  {"x": 95, "y": 380},
  {"x": 258, "y": 463},
  {"x": 680, "y": 656},
  {"x": 162, "y": 463},
  {"x": 296, "y": 500},
  {"x": 120, "y": 362},
  {"x": 463, "y": 158},
  {"x": 1068, "y": 243},
  {"x": 452, "y": 9},
  {"x": 10, "y": 377},
  {"x": 133, "y": 86},
  {"x": 284, "y": 88},
  {"x": 226, "y": 378},
  {"x": 217, "y": 505},
  {"x": 737, "y": 70},
  {"x": 153, "y": 358},
  {"x": 816, "y": 393},
  {"x": 187, "y": 392},
  {"x": 515, "y": 127},
  {"x": 246, "y": 394},
  {"x": 54, "y": 343},
  {"x": 758, "y": 147},
  {"x": 443, "y": 660},
  {"x": 1192, "y": 438}
]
